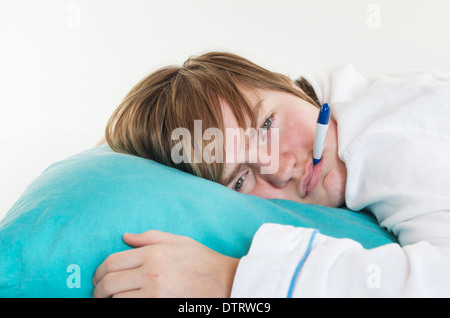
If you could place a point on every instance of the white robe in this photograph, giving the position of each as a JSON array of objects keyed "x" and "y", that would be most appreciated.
[{"x": 394, "y": 137}]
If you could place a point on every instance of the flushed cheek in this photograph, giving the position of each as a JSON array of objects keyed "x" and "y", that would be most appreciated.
[
  {"x": 333, "y": 186},
  {"x": 300, "y": 136}
]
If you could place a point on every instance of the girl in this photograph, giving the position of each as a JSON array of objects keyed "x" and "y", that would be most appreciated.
[{"x": 387, "y": 151}]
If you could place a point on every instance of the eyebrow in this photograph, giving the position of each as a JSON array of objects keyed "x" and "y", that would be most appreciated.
[
  {"x": 235, "y": 171},
  {"x": 238, "y": 167}
]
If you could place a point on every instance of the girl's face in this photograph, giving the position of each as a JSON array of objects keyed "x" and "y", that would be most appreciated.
[{"x": 288, "y": 125}]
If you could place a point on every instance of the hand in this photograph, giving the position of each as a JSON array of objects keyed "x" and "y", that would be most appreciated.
[{"x": 165, "y": 265}]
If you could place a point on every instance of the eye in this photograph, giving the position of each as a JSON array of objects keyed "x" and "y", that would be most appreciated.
[
  {"x": 239, "y": 183},
  {"x": 267, "y": 123}
]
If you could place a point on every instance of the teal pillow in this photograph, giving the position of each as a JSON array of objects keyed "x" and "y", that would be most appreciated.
[{"x": 74, "y": 214}]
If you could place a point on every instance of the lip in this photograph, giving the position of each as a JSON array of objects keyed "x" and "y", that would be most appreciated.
[{"x": 310, "y": 178}]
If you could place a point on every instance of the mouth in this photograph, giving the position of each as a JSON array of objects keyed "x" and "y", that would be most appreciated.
[{"x": 310, "y": 179}]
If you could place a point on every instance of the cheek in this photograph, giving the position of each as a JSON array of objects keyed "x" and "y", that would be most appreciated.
[
  {"x": 298, "y": 135},
  {"x": 263, "y": 192},
  {"x": 334, "y": 187},
  {"x": 267, "y": 191}
]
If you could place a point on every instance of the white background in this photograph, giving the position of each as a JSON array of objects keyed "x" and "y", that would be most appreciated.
[{"x": 66, "y": 64}]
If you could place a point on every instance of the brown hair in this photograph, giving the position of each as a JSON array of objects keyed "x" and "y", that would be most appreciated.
[{"x": 173, "y": 97}]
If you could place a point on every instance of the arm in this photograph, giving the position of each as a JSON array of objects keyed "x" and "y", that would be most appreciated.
[
  {"x": 165, "y": 265},
  {"x": 338, "y": 267}
]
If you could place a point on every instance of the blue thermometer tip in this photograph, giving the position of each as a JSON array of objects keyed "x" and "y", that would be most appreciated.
[{"x": 324, "y": 114}]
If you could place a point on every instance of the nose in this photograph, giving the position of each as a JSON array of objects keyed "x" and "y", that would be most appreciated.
[{"x": 285, "y": 172}]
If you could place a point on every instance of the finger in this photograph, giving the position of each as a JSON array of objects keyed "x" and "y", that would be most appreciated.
[
  {"x": 118, "y": 282},
  {"x": 118, "y": 262},
  {"x": 136, "y": 293},
  {"x": 153, "y": 237}
]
